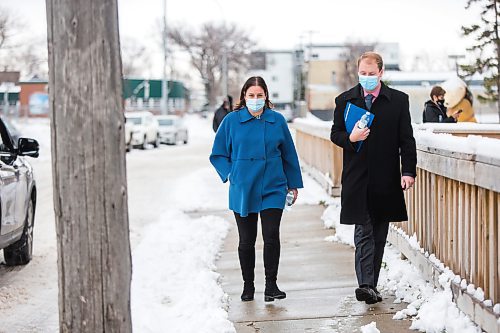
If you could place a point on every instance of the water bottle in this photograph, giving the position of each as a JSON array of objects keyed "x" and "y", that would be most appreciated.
[
  {"x": 363, "y": 122},
  {"x": 289, "y": 200}
]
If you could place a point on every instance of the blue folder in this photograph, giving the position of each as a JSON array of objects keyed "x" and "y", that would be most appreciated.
[{"x": 352, "y": 114}]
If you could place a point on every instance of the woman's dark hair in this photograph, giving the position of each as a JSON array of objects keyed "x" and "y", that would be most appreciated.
[
  {"x": 251, "y": 82},
  {"x": 437, "y": 91}
]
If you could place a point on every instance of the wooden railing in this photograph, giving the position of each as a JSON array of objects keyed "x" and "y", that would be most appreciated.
[
  {"x": 453, "y": 209},
  {"x": 322, "y": 158}
]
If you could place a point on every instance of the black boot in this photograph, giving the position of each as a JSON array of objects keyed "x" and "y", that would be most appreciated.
[
  {"x": 367, "y": 294},
  {"x": 377, "y": 293},
  {"x": 248, "y": 292},
  {"x": 272, "y": 292}
]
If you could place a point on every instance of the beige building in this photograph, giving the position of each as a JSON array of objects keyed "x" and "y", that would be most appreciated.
[{"x": 324, "y": 83}]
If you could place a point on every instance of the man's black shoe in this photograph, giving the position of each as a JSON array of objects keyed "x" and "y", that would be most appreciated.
[
  {"x": 377, "y": 293},
  {"x": 248, "y": 292},
  {"x": 366, "y": 294}
]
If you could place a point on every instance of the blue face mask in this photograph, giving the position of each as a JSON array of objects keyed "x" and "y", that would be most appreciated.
[
  {"x": 368, "y": 82},
  {"x": 255, "y": 104}
]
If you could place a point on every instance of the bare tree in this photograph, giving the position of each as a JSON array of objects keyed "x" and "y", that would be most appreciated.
[
  {"x": 135, "y": 57},
  {"x": 5, "y": 26},
  {"x": 206, "y": 49},
  {"x": 19, "y": 49},
  {"x": 89, "y": 175},
  {"x": 350, "y": 74}
]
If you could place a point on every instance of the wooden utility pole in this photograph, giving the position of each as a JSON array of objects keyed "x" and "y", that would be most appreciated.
[{"x": 88, "y": 158}]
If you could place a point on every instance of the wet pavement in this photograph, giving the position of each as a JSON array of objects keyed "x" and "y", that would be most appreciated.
[{"x": 318, "y": 277}]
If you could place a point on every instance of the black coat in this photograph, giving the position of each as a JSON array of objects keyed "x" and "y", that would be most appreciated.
[
  {"x": 218, "y": 116},
  {"x": 434, "y": 114},
  {"x": 371, "y": 178}
]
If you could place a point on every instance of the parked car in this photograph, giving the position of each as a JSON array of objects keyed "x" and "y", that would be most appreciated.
[
  {"x": 17, "y": 197},
  {"x": 172, "y": 129},
  {"x": 145, "y": 129},
  {"x": 129, "y": 128}
]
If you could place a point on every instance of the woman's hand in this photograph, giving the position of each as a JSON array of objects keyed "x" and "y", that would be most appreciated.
[
  {"x": 359, "y": 134},
  {"x": 295, "y": 194}
]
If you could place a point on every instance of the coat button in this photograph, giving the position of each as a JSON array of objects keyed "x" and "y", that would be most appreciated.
[{"x": 251, "y": 159}]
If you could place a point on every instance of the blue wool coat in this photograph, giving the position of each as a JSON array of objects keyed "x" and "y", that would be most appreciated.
[{"x": 258, "y": 158}]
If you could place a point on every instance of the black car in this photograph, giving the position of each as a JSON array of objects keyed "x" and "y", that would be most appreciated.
[{"x": 17, "y": 197}]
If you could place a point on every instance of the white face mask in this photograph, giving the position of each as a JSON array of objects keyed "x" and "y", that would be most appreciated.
[{"x": 255, "y": 104}]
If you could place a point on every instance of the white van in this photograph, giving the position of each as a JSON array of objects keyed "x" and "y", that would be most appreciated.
[{"x": 145, "y": 129}]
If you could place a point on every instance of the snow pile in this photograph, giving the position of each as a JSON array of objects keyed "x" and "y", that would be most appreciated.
[
  {"x": 312, "y": 193},
  {"x": 370, "y": 328},
  {"x": 177, "y": 256},
  {"x": 201, "y": 190},
  {"x": 433, "y": 309},
  {"x": 331, "y": 217}
]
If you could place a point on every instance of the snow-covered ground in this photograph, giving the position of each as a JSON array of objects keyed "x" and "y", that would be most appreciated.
[{"x": 174, "y": 284}]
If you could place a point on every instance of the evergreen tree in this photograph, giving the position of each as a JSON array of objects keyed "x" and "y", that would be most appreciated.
[{"x": 486, "y": 47}]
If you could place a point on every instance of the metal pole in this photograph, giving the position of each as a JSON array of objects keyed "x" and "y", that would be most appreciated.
[{"x": 164, "y": 82}]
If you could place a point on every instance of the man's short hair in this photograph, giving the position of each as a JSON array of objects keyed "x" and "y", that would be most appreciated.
[
  {"x": 373, "y": 56},
  {"x": 437, "y": 91}
]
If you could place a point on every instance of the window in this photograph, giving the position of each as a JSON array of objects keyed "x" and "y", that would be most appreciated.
[
  {"x": 275, "y": 95},
  {"x": 274, "y": 78},
  {"x": 166, "y": 122},
  {"x": 135, "y": 120}
]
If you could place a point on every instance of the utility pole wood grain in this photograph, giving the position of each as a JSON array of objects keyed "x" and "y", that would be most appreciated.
[{"x": 89, "y": 173}]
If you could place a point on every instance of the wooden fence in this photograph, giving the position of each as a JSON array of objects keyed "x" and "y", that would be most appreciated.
[{"x": 454, "y": 207}]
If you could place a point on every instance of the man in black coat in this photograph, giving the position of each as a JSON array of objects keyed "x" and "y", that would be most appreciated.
[
  {"x": 373, "y": 179},
  {"x": 222, "y": 111},
  {"x": 434, "y": 109}
]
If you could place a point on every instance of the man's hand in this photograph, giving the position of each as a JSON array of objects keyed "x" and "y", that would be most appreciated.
[
  {"x": 359, "y": 134},
  {"x": 407, "y": 182}
]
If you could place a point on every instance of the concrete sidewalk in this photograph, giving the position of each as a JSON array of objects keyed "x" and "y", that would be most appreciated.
[{"x": 318, "y": 277}]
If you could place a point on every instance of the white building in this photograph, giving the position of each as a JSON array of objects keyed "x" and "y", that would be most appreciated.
[{"x": 279, "y": 68}]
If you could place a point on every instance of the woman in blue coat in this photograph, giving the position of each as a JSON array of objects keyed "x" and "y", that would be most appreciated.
[{"x": 253, "y": 149}]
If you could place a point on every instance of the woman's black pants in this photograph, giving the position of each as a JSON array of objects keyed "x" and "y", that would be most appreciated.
[{"x": 247, "y": 230}]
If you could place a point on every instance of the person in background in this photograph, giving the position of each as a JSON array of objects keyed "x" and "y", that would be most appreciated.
[
  {"x": 254, "y": 150},
  {"x": 222, "y": 111},
  {"x": 374, "y": 178},
  {"x": 459, "y": 97},
  {"x": 434, "y": 109}
]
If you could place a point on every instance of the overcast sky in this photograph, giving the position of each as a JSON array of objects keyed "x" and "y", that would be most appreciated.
[{"x": 421, "y": 27}]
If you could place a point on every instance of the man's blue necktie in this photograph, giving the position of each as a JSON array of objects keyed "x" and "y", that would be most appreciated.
[{"x": 368, "y": 101}]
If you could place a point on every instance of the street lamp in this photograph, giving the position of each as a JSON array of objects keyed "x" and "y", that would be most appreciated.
[{"x": 164, "y": 81}]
